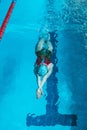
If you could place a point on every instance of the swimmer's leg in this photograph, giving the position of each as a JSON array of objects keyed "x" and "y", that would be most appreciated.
[
  {"x": 50, "y": 47},
  {"x": 40, "y": 45}
]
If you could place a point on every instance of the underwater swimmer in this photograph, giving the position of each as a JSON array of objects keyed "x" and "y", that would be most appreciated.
[{"x": 43, "y": 66}]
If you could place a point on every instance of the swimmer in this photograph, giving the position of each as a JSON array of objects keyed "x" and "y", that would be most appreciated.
[{"x": 43, "y": 66}]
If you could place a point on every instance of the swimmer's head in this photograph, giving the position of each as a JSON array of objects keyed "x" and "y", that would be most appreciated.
[{"x": 42, "y": 70}]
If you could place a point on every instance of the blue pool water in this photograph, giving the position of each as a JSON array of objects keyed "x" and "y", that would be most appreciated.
[{"x": 63, "y": 105}]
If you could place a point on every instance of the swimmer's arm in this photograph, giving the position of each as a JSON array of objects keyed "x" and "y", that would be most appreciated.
[
  {"x": 47, "y": 75},
  {"x": 38, "y": 81}
]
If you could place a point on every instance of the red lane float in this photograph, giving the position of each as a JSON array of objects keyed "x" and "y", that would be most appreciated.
[{"x": 3, "y": 26}]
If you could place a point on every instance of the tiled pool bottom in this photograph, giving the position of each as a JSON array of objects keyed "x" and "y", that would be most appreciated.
[{"x": 18, "y": 96}]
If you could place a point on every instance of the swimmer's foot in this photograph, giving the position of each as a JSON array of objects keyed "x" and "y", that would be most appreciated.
[{"x": 39, "y": 93}]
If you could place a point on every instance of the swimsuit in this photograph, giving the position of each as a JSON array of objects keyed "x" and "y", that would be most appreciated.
[
  {"x": 43, "y": 56},
  {"x": 44, "y": 60}
]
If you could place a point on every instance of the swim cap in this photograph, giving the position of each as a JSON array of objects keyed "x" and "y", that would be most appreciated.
[{"x": 42, "y": 70}]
